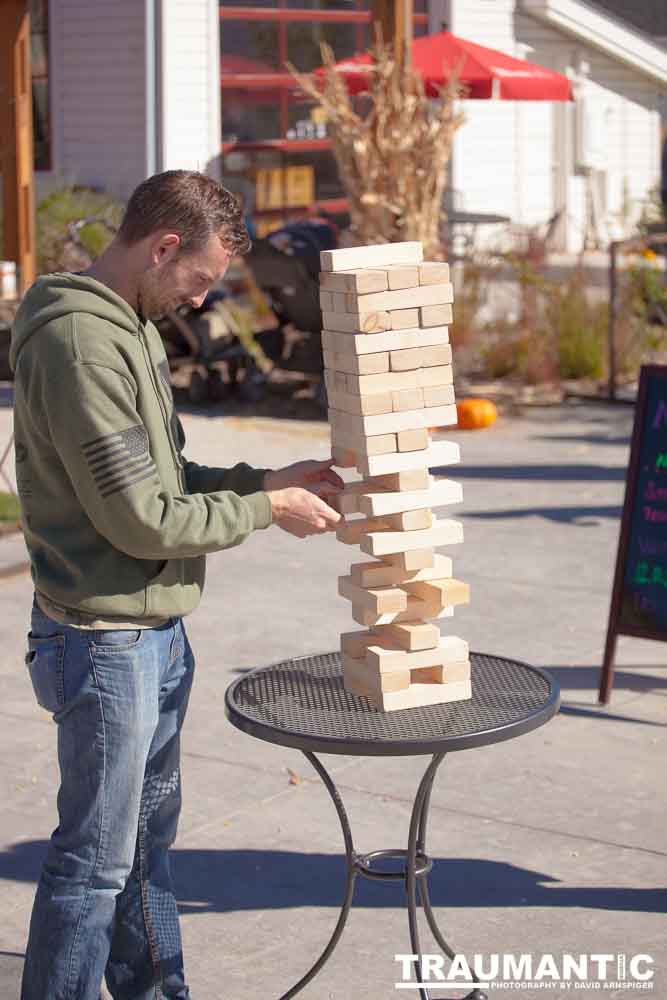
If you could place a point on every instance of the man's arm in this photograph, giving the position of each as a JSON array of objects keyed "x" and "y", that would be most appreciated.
[
  {"x": 241, "y": 479},
  {"x": 96, "y": 423}
]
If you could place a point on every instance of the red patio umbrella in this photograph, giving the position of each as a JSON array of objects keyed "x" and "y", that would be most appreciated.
[{"x": 483, "y": 72}]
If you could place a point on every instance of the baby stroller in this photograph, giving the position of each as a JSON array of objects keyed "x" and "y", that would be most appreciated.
[{"x": 286, "y": 266}]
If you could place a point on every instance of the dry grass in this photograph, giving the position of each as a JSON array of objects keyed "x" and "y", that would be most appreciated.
[{"x": 393, "y": 158}]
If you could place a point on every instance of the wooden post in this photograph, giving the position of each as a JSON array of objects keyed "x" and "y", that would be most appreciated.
[
  {"x": 613, "y": 315},
  {"x": 16, "y": 143},
  {"x": 395, "y": 19}
]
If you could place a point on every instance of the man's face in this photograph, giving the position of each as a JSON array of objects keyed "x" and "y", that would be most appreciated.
[{"x": 177, "y": 278}]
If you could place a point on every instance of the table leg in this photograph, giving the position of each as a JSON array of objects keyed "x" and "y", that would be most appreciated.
[
  {"x": 351, "y": 875},
  {"x": 417, "y": 848}
]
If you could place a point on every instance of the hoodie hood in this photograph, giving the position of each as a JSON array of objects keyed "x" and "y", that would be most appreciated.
[{"x": 56, "y": 295}]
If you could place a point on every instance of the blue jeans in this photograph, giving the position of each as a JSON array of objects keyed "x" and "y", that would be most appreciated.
[{"x": 104, "y": 906}]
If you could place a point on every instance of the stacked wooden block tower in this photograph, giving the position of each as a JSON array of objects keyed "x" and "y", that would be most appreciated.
[{"x": 388, "y": 374}]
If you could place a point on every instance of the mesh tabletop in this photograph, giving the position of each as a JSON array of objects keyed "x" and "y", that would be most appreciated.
[{"x": 302, "y": 703}]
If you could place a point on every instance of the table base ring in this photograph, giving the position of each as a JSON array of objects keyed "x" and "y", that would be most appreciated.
[{"x": 363, "y": 864}]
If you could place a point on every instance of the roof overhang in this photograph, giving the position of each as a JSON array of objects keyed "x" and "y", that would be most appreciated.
[{"x": 605, "y": 33}]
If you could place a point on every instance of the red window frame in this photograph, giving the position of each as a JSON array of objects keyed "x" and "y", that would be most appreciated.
[{"x": 284, "y": 82}]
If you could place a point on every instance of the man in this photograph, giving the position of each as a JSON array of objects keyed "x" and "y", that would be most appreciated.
[{"x": 118, "y": 523}]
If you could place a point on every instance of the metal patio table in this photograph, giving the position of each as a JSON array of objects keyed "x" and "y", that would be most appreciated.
[{"x": 302, "y": 703}]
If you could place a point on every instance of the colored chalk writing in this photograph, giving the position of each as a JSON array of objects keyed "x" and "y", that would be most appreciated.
[{"x": 642, "y": 601}]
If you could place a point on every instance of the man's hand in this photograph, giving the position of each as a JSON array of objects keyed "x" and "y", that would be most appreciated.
[
  {"x": 306, "y": 475},
  {"x": 301, "y": 512}
]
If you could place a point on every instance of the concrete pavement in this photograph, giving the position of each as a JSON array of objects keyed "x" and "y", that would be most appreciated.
[{"x": 553, "y": 842}]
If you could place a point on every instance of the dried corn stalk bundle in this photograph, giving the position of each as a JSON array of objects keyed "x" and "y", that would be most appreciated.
[{"x": 392, "y": 160}]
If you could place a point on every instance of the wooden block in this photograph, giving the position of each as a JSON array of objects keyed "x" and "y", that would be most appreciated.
[
  {"x": 360, "y": 281},
  {"x": 413, "y": 440},
  {"x": 348, "y": 402},
  {"x": 412, "y": 560},
  {"x": 420, "y": 357},
  {"x": 410, "y": 479},
  {"x": 424, "y": 295},
  {"x": 412, "y": 635},
  {"x": 420, "y": 695},
  {"x": 432, "y": 272},
  {"x": 340, "y": 381},
  {"x": 438, "y": 395},
  {"x": 407, "y": 399},
  {"x": 391, "y": 340},
  {"x": 404, "y": 420},
  {"x": 353, "y": 258},
  {"x": 388, "y": 382},
  {"x": 356, "y": 322},
  {"x": 379, "y": 600},
  {"x": 326, "y": 301},
  {"x": 346, "y": 502},
  {"x": 432, "y": 357},
  {"x": 439, "y": 375},
  {"x": 440, "y": 453},
  {"x": 384, "y": 658},
  {"x": 405, "y": 361},
  {"x": 402, "y": 276},
  {"x": 349, "y": 532},
  {"x": 383, "y": 574},
  {"x": 378, "y": 543},
  {"x": 358, "y": 364},
  {"x": 443, "y": 491},
  {"x": 364, "y": 447},
  {"x": 435, "y": 315},
  {"x": 416, "y": 611},
  {"x": 405, "y": 319},
  {"x": 456, "y": 671},
  {"x": 366, "y": 683},
  {"x": 355, "y": 644},
  {"x": 448, "y": 591},
  {"x": 389, "y": 423},
  {"x": 410, "y": 520},
  {"x": 344, "y": 458},
  {"x": 339, "y": 303}
]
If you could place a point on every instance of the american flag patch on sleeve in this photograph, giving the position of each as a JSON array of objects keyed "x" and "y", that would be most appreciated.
[{"x": 119, "y": 460}]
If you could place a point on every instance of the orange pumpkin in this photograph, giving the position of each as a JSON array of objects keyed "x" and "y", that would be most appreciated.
[{"x": 474, "y": 413}]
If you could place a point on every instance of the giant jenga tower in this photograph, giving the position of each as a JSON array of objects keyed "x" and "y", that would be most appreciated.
[{"x": 388, "y": 375}]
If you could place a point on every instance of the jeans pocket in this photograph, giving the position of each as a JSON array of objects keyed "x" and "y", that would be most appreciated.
[
  {"x": 116, "y": 638},
  {"x": 45, "y": 663}
]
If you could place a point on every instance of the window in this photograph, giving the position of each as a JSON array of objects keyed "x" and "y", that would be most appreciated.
[
  {"x": 41, "y": 118},
  {"x": 267, "y": 123}
]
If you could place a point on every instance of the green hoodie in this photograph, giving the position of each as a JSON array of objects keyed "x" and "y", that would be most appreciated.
[{"x": 117, "y": 522}]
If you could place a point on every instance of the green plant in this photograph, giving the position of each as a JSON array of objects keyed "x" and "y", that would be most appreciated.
[
  {"x": 63, "y": 206},
  {"x": 10, "y": 508}
]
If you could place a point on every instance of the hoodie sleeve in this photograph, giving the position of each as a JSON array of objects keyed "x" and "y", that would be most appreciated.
[
  {"x": 242, "y": 478},
  {"x": 104, "y": 447}
]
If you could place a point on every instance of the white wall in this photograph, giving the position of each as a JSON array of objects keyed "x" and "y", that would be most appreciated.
[
  {"x": 518, "y": 158},
  {"x": 627, "y": 102},
  {"x": 190, "y": 82},
  {"x": 483, "y": 172},
  {"x": 98, "y": 93}
]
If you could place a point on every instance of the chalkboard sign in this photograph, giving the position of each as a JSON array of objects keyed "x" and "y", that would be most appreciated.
[{"x": 639, "y": 597}]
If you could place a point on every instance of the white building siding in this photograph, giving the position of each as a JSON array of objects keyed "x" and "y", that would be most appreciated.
[
  {"x": 190, "y": 85},
  {"x": 98, "y": 68},
  {"x": 626, "y": 104},
  {"x": 502, "y": 160}
]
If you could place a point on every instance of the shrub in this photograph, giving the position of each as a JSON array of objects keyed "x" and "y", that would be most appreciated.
[{"x": 55, "y": 251}]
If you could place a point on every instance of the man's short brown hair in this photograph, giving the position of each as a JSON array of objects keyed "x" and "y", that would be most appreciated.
[{"x": 188, "y": 203}]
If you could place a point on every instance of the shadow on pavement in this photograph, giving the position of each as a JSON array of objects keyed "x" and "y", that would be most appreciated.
[
  {"x": 547, "y": 473},
  {"x": 581, "y": 516},
  {"x": 225, "y": 881}
]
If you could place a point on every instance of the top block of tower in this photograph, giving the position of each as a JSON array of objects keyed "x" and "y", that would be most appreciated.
[{"x": 372, "y": 256}]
